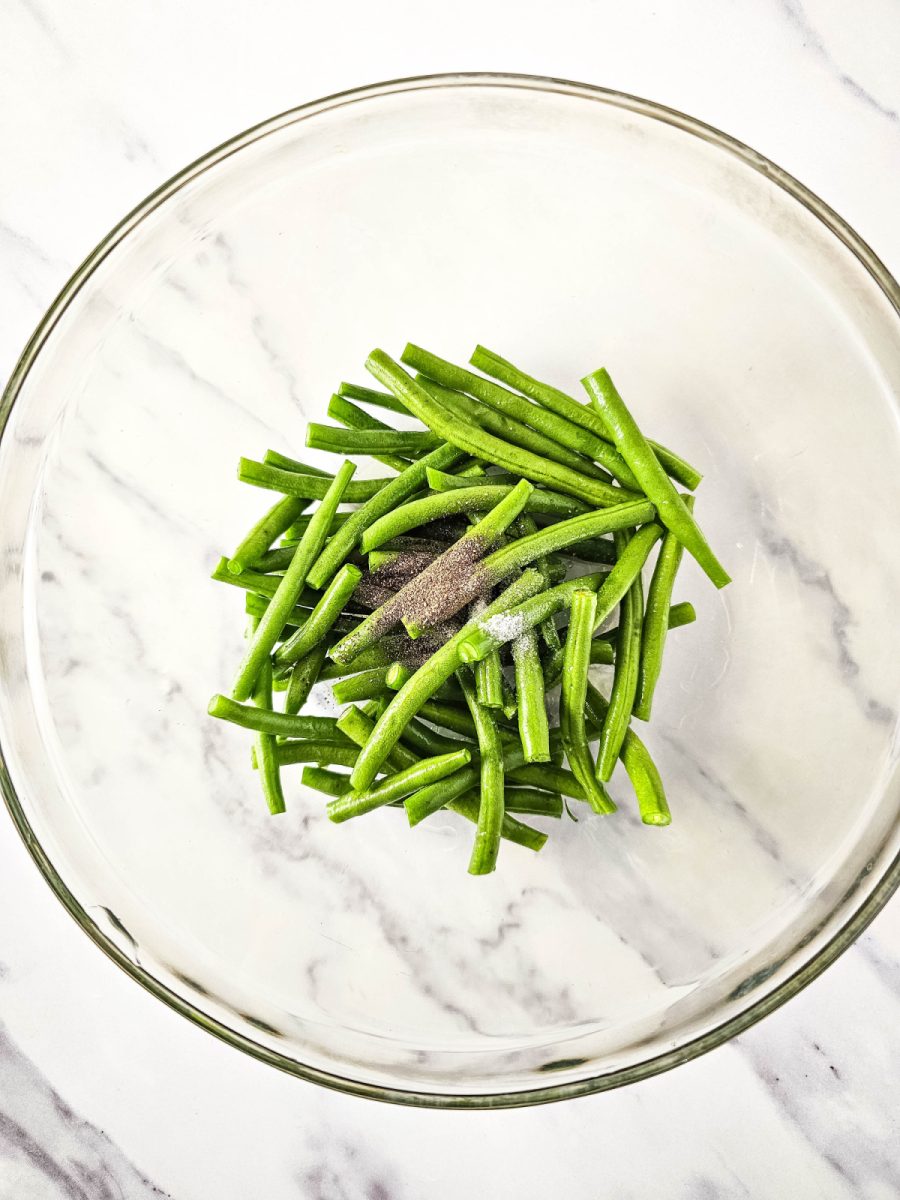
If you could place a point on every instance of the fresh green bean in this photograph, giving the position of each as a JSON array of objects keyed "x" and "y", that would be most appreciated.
[
  {"x": 491, "y": 809},
  {"x": 489, "y": 681},
  {"x": 572, "y": 698},
  {"x": 657, "y": 620},
  {"x": 399, "y": 674},
  {"x": 252, "y": 716},
  {"x": 355, "y": 391},
  {"x": 429, "y": 800},
  {"x": 303, "y": 750},
  {"x": 332, "y": 783},
  {"x": 531, "y": 802},
  {"x": 477, "y": 441},
  {"x": 358, "y": 726},
  {"x": 642, "y": 771},
  {"x": 427, "y": 741},
  {"x": 549, "y": 777},
  {"x": 295, "y": 532},
  {"x": 451, "y": 503},
  {"x": 407, "y": 702},
  {"x": 257, "y": 605},
  {"x": 565, "y": 406},
  {"x": 267, "y": 759},
  {"x": 322, "y": 617},
  {"x": 534, "y": 729},
  {"x": 515, "y": 432},
  {"x": 304, "y": 677},
  {"x": 423, "y": 603},
  {"x": 397, "y": 785},
  {"x": 364, "y": 686},
  {"x": 625, "y": 680},
  {"x": 341, "y": 409},
  {"x": 511, "y": 830},
  {"x": 272, "y": 458},
  {"x": 264, "y": 532},
  {"x": 670, "y": 505},
  {"x": 290, "y": 586},
  {"x": 312, "y": 487},
  {"x": 394, "y": 493},
  {"x": 550, "y": 425},
  {"x": 443, "y": 481},
  {"x": 369, "y": 441}
]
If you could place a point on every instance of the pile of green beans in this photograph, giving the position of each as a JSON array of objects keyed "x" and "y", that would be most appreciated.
[{"x": 442, "y": 604}]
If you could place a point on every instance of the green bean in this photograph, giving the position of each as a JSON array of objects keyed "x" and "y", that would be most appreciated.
[
  {"x": 295, "y": 532},
  {"x": 304, "y": 677},
  {"x": 359, "y": 727},
  {"x": 424, "y": 683},
  {"x": 272, "y": 458},
  {"x": 425, "y": 740},
  {"x": 398, "y": 785},
  {"x": 489, "y": 681},
  {"x": 395, "y": 492},
  {"x": 565, "y": 406},
  {"x": 264, "y": 532},
  {"x": 448, "y": 716},
  {"x": 346, "y": 412},
  {"x": 302, "y": 750},
  {"x": 332, "y": 783},
  {"x": 355, "y": 391},
  {"x": 657, "y": 620},
  {"x": 322, "y": 617},
  {"x": 511, "y": 830},
  {"x": 269, "y": 770},
  {"x": 289, "y": 587},
  {"x": 452, "y": 503},
  {"x": 364, "y": 686},
  {"x": 534, "y": 730},
  {"x": 670, "y": 505},
  {"x": 625, "y": 680},
  {"x": 516, "y": 432},
  {"x": 399, "y": 674},
  {"x": 531, "y": 802},
  {"x": 383, "y": 654},
  {"x": 645, "y": 778},
  {"x": 423, "y": 602},
  {"x": 252, "y": 716},
  {"x": 572, "y": 698},
  {"x": 369, "y": 441},
  {"x": 312, "y": 487},
  {"x": 431, "y": 799},
  {"x": 491, "y": 809},
  {"x": 490, "y": 632},
  {"x": 603, "y": 648},
  {"x": 442, "y": 481},
  {"x": 549, "y": 777},
  {"x": 299, "y": 615},
  {"x": 477, "y": 441},
  {"x": 549, "y": 424}
]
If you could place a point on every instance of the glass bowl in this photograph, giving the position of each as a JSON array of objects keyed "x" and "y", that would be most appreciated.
[{"x": 567, "y": 227}]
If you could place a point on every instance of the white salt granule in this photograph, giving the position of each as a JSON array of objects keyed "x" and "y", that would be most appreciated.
[{"x": 505, "y": 627}]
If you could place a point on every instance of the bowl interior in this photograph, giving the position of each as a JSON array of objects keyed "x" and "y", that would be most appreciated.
[{"x": 567, "y": 231}]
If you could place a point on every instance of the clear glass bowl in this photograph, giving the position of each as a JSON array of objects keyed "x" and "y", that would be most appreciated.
[{"x": 567, "y": 227}]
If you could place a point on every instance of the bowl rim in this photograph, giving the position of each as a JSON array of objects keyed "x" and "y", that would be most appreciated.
[{"x": 765, "y": 1004}]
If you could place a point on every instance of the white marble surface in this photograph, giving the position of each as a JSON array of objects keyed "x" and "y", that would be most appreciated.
[{"x": 103, "y": 1092}]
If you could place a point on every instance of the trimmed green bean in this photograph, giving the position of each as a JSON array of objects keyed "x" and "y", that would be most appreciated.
[
  {"x": 511, "y": 830},
  {"x": 369, "y": 441},
  {"x": 489, "y": 681},
  {"x": 358, "y": 726},
  {"x": 531, "y": 802},
  {"x": 252, "y": 716},
  {"x": 603, "y": 648},
  {"x": 572, "y": 699},
  {"x": 341, "y": 409},
  {"x": 257, "y": 604},
  {"x": 477, "y": 441},
  {"x": 302, "y": 750},
  {"x": 399, "y": 674},
  {"x": 356, "y": 391},
  {"x": 642, "y": 771},
  {"x": 272, "y": 458},
  {"x": 279, "y": 518},
  {"x": 322, "y": 617},
  {"x": 429, "y": 800},
  {"x": 366, "y": 685},
  {"x": 295, "y": 532},
  {"x": 491, "y": 809},
  {"x": 670, "y": 505},
  {"x": 332, "y": 783},
  {"x": 625, "y": 680},
  {"x": 407, "y": 702},
  {"x": 304, "y": 677},
  {"x": 534, "y": 729},
  {"x": 290, "y": 586},
  {"x": 515, "y": 432},
  {"x": 311, "y": 487},
  {"x": 566, "y": 406},
  {"x": 266, "y": 756},
  {"x": 657, "y": 620},
  {"x": 549, "y": 777},
  {"x": 550, "y": 425},
  {"x": 394, "y": 493},
  {"x": 398, "y": 785},
  {"x": 427, "y": 741},
  {"x": 443, "y": 481}
]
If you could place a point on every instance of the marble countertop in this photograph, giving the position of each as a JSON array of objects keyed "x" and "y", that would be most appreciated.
[{"x": 106, "y": 1093}]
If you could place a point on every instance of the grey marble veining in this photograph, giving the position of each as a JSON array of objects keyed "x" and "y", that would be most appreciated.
[{"x": 105, "y": 1093}]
